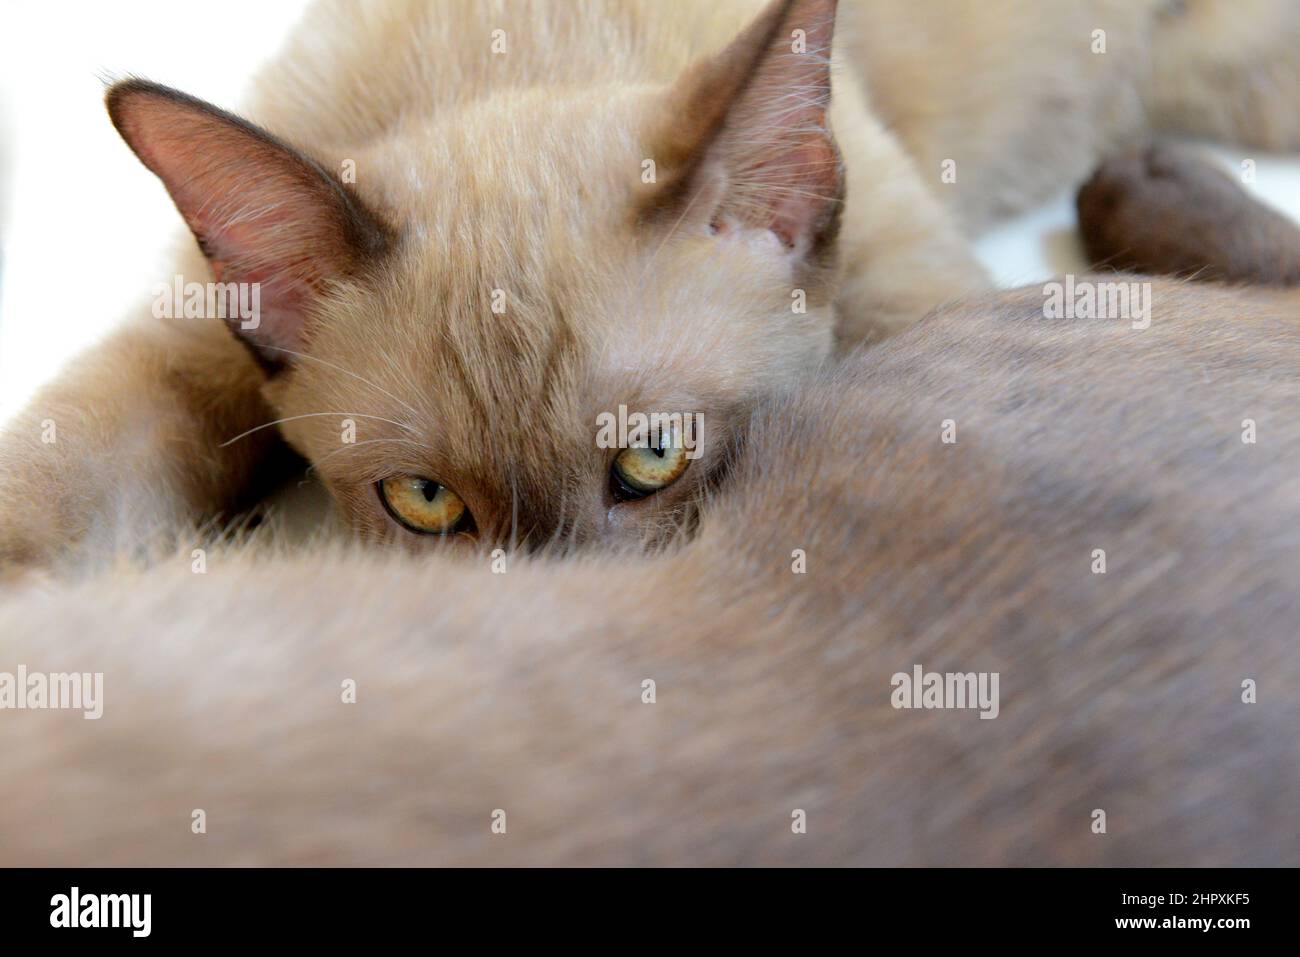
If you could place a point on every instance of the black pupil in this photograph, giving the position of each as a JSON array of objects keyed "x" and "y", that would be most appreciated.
[{"x": 430, "y": 489}]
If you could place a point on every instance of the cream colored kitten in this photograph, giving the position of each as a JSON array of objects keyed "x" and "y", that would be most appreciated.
[
  {"x": 558, "y": 210},
  {"x": 564, "y": 208}
]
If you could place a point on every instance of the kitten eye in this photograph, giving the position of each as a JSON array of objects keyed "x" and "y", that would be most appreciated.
[
  {"x": 423, "y": 506},
  {"x": 638, "y": 473}
]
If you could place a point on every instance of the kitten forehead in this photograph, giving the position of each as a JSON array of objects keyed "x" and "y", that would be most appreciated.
[{"x": 578, "y": 157}]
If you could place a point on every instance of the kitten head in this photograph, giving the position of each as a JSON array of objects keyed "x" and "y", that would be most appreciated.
[{"x": 544, "y": 316}]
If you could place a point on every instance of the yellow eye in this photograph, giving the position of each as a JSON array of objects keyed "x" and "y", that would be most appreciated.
[
  {"x": 641, "y": 472},
  {"x": 422, "y": 505}
]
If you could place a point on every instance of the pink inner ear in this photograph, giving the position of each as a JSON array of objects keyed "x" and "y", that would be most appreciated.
[
  {"x": 798, "y": 208},
  {"x": 779, "y": 161},
  {"x": 261, "y": 212}
]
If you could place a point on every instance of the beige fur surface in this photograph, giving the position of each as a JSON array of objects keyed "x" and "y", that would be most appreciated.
[{"x": 522, "y": 691}]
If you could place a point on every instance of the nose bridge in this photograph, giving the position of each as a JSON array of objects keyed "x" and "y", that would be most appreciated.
[
  {"x": 541, "y": 502},
  {"x": 538, "y": 488},
  {"x": 530, "y": 518}
]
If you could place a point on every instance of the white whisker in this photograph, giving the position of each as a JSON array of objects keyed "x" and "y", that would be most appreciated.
[
  {"x": 356, "y": 445},
  {"x": 303, "y": 355},
  {"x": 308, "y": 415}
]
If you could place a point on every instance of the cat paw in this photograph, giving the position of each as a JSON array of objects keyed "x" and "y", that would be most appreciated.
[{"x": 1167, "y": 211}]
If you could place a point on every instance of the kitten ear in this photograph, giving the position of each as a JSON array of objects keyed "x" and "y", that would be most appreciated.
[
  {"x": 747, "y": 144},
  {"x": 261, "y": 211}
]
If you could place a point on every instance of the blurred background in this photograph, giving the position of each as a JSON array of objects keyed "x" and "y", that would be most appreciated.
[{"x": 85, "y": 229}]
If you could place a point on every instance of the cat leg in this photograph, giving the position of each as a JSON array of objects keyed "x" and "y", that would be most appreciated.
[
  {"x": 1166, "y": 211},
  {"x": 125, "y": 447},
  {"x": 1004, "y": 104},
  {"x": 1228, "y": 70}
]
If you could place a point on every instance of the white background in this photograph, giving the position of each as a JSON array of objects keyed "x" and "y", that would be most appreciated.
[{"x": 85, "y": 229}]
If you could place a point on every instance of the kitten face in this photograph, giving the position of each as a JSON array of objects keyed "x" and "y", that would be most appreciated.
[
  {"x": 444, "y": 336},
  {"x": 596, "y": 307}
]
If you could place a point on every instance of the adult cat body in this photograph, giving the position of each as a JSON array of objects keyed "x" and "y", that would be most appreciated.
[{"x": 1098, "y": 533}]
